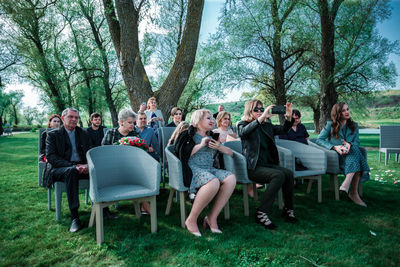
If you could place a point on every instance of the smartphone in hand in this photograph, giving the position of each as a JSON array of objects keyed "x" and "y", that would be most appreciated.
[
  {"x": 278, "y": 110},
  {"x": 215, "y": 136}
]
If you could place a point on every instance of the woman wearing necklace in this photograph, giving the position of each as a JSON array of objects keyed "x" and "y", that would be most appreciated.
[{"x": 341, "y": 135}]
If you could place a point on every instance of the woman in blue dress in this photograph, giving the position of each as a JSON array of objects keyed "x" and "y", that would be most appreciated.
[
  {"x": 196, "y": 150},
  {"x": 341, "y": 135}
]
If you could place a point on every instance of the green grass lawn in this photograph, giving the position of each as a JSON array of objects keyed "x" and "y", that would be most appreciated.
[{"x": 328, "y": 234}]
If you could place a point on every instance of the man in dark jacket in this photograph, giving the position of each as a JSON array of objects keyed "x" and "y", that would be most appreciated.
[
  {"x": 66, "y": 149},
  {"x": 96, "y": 130}
]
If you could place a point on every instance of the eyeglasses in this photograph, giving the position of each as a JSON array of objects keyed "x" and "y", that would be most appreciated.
[{"x": 258, "y": 109}]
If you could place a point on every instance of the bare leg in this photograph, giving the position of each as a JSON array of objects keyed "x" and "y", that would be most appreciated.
[
  {"x": 354, "y": 190},
  {"x": 205, "y": 194},
  {"x": 224, "y": 193},
  {"x": 346, "y": 183},
  {"x": 250, "y": 190},
  {"x": 145, "y": 206}
]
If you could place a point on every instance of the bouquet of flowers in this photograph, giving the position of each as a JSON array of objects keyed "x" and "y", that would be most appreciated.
[{"x": 134, "y": 141}]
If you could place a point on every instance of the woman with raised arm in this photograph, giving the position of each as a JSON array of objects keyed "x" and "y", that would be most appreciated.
[
  {"x": 196, "y": 149},
  {"x": 154, "y": 116},
  {"x": 258, "y": 145},
  {"x": 341, "y": 135}
]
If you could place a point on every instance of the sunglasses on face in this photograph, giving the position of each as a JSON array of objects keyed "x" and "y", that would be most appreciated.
[{"x": 258, "y": 109}]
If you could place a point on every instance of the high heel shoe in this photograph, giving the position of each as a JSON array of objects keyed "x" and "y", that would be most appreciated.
[
  {"x": 198, "y": 234},
  {"x": 206, "y": 224},
  {"x": 344, "y": 189},
  {"x": 362, "y": 203}
]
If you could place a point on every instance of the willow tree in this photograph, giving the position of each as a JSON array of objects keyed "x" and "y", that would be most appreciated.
[{"x": 124, "y": 17}]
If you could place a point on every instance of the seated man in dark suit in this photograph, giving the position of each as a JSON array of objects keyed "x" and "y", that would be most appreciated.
[
  {"x": 66, "y": 149},
  {"x": 96, "y": 130}
]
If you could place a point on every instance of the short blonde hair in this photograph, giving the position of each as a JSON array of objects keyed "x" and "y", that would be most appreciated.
[
  {"x": 221, "y": 115},
  {"x": 248, "y": 109},
  {"x": 150, "y": 99},
  {"x": 197, "y": 116}
]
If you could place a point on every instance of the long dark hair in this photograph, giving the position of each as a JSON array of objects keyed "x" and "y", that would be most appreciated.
[{"x": 336, "y": 116}]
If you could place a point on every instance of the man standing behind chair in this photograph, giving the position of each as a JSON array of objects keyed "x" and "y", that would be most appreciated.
[
  {"x": 96, "y": 130},
  {"x": 66, "y": 149}
]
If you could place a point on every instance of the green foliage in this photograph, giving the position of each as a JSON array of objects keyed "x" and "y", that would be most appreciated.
[{"x": 330, "y": 233}]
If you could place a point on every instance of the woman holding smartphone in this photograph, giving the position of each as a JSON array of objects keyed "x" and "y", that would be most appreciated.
[
  {"x": 196, "y": 149},
  {"x": 257, "y": 134}
]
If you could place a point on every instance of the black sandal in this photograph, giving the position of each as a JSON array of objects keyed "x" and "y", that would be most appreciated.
[{"x": 262, "y": 218}]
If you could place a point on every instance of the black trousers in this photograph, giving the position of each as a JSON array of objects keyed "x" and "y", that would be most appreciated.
[
  {"x": 276, "y": 177},
  {"x": 70, "y": 176}
]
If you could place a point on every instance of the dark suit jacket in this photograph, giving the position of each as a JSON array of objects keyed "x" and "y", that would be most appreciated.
[
  {"x": 251, "y": 141},
  {"x": 59, "y": 149}
]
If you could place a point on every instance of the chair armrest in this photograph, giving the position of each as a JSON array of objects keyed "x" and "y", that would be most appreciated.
[
  {"x": 311, "y": 157},
  {"x": 286, "y": 158},
  {"x": 237, "y": 164},
  {"x": 175, "y": 171},
  {"x": 331, "y": 156}
]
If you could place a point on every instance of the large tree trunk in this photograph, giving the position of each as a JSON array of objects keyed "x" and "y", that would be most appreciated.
[
  {"x": 14, "y": 108},
  {"x": 316, "y": 116},
  {"x": 124, "y": 34},
  {"x": 329, "y": 95}
]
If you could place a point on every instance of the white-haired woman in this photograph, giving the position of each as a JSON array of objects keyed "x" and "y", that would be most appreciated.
[
  {"x": 126, "y": 119},
  {"x": 196, "y": 150}
]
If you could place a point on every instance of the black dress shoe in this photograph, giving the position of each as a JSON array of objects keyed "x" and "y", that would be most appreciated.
[
  {"x": 75, "y": 225},
  {"x": 288, "y": 214},
  {"x": 107, "y": 213}
]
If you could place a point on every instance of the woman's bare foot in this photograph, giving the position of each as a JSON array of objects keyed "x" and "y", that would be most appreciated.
[
  {"x": 250, "y": 191},
  {"x": 145, "y": 207}
]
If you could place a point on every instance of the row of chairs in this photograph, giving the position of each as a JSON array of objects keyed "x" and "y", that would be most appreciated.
[{"x": 144, "y": 174}]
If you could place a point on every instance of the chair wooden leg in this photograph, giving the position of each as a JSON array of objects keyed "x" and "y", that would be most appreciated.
[
  {"x": 49, "y": 198},
  {"x": 246, "y": 199},
  {"x": 92, "y": 216},
  {"x": 153, "y": 214},
  {"x": 319, "y": 189},
  {"x": 183, "y": 208},
  {"x": 331, "y": 183},
  {"x": 99, "y": 223},
  {"x": 255, "y": 192},
  {"x": 137, "y": 209},
  {"x": 386, "y": 158},
  {"x": 280, "y": 199},
  {"x": 169, "y": 202},
  {"x": 336, "y": 185},
  {"x": 87, "y": 196},
  {"x": 58, "y": 200},
  {"x": 310, "y": 182},
  {"x": 226, "y": 211}
]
